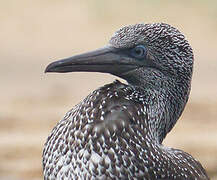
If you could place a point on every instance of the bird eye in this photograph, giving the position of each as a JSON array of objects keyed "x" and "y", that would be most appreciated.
[{"x": 139, "y": 52}]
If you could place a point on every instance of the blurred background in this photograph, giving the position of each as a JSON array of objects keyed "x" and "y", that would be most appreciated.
[{"x": 34, "y": 33}]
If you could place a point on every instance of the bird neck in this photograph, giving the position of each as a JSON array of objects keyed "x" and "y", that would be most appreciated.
[{"x": 164, "y": 100}]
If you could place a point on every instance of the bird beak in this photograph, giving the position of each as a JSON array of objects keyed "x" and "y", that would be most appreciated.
[{"x": 106, "y": 60}]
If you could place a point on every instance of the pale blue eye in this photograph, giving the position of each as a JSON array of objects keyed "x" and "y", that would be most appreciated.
[{"x": 139, "y": 52}]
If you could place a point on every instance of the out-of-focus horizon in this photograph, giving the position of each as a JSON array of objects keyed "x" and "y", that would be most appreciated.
[{"x": 35, "y": 33}]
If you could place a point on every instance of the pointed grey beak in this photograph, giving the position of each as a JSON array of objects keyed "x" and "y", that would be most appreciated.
[{"x": 105, "y": 60}]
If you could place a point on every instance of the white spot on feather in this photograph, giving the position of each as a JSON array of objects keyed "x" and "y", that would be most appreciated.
[{"x": 95, "y": 158}]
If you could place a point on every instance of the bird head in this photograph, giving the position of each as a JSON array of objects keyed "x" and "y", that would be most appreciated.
[{"x": 135, "y": 52}]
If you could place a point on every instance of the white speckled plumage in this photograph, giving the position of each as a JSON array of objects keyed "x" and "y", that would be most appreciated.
[{"x": 117, "y": 131}]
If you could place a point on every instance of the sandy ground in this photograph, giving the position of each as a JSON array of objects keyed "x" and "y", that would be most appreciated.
[{"x": 34, "y": 33}]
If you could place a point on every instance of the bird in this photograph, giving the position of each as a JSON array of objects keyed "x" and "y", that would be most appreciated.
[{"x": 117, "y": 131}]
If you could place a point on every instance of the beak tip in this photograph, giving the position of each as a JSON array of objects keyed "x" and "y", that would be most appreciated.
[
  {"x": 50, "y": 68},
  {"x": 47, "y": 70}
]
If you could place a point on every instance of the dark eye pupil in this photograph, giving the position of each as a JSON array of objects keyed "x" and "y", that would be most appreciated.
[{"x": 139, "y": 51}]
